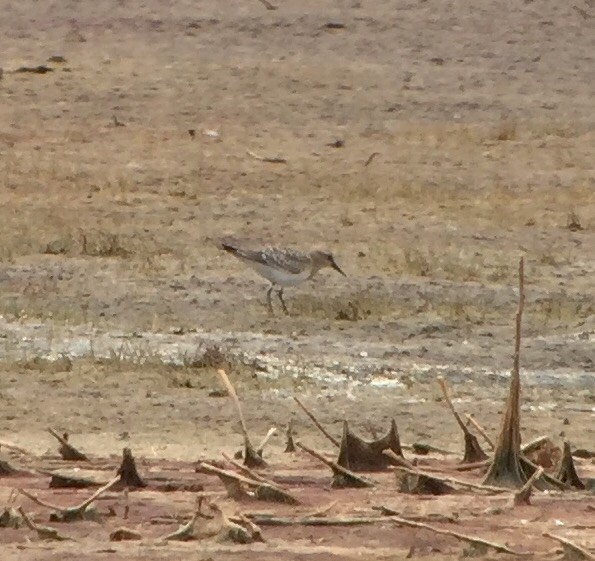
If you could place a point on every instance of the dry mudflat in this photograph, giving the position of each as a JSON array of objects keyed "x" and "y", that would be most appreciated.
[{"x": 427, "y": 144}]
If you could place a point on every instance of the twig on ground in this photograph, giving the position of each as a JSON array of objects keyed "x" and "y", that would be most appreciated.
[
  {"x": 268, "y": 159},
  {"x": 523, "y": 495},
  {"x": 480, "y": 430},
  {"x": 268, "y": 5},
  {"x": 78, "y": 512},
  {"x": 67, "y": 451},
  {"x": 463, "y": 537},
  {"x": 43, "y": 532},
  {"x": 263, "y": 490},
  {"x": 473, "y": 451},
  {"x": 572, "y": 550},
  {"x": 127, "y": 472},
  {"x": 15, "y": 448},
  {"x": 315, "y": 421},
  {"x": 261, "y": 446},
  {"x": 371, "y": 158},
  {"x": 342, "y": 476},
  {"x": 251, "y": 457},
  {"x": 290, "y": 445},
  {"x": 453, "y": 481}
]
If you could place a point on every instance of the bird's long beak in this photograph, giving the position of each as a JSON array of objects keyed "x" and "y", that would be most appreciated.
[{"x": 337, "y": 268}]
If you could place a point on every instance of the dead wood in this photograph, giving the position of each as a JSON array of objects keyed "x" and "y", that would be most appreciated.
[
  {"x": 418, "y": 483},
  {"x": 43, "y": 532},
  {"x": 78, "y": 512},
  {"x": 271, "y": 520},
  {"x": 268, "y": 159},
  {"x": 398, "y": 460},
  {"x": 534, "y": 444},
  {"x": 268, "y": 5},
  {"x": 506, "y": 469},
  {"x": 14, "y": 448},
  {"x": 523, "y": 495},
  {"x": 452, "y": 481},
  {"x": 128, "y": 473},
  {"x": 423, "y": 449},
  {"x": 10, "y": 518},
  {"x": 370, "y": 158},
  {"x": 185, "y": 532},
  {"x": 318, "y": 425},
  {"x": 124, "y": 534},
  {"x": 476, "y": 542},
  {"x": 265, "y": 440},
  {"x": 6, "y": 469},
  {"x": 572, "y": 551},
  {"x": 546, "y": 481},
  {"x": 435, "y": 516},
  {"x": 215, "y": 525},
  {"x": 66, "y": 450},
  {"x": 290, "y": 445},
  {"x": 61, "y": 481},
  {"x": 251, "y": 456},
  {"x": 262, "y": 489},
  {"x": 480, "y": 430},
  {"x": 567, "y": 472},
  {"x": 342, "y": 477},
  {"x": 473, "y": 451},
  {"x": 360, "y": 455}
]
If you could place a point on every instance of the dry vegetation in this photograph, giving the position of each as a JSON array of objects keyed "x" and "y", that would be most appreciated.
[{"x": 428, "y": 145}]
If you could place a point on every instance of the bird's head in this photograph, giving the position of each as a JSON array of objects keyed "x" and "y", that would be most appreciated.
[{"x": 321, "y": 259}]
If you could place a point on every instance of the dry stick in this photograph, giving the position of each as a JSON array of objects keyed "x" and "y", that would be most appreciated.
[
  {"x": 471, "y": 445},
  {"x": 480, "y": 430},
  {"x": 576, "y": 549},
  {"x": 67, "y": 450},
  {"x": 370, "y": 158},
  {"x": 261, "y": 446},
  {"x": 74, "y": 512},
  {"x": 249, "y": 449},
  {"x": 10, "y": 446},
  {"x": 265, "y": 520},
  {"x": 453, "y": 480},
  {"x": 268, "y": 490},
  {"x": 436, "y": 517},
  {"x": 506, "y": 468},
  {"x": 290, "y": 446},
  {"x": 533, "y": 444},
  {"x": 321, "y": 511},
  {"x": 399, "y": 461},
  {"x": 247, "y": 471},
  {"x": 44, "y": 532},
  {"x": 525, "y": 449},
  {"x": 415, "y": 447},
  {"x": 337, "y": 469},
  {"x": 268, "y": 5},
  {"x": 463, "y": 537},
  {"x": 186, "y": 531},
  {"x": 318, "y": 425},
  {"x": 268, "y": 159},
  {"x": 522, "y": 496}
]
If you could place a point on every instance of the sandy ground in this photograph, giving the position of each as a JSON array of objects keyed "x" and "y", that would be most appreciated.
[{"x": 117, "y": 304}]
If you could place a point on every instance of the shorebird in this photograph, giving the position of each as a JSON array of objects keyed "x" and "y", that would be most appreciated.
[{"x": 283, "y": 267}]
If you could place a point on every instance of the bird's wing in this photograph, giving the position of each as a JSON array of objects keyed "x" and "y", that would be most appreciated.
[
  {"x": 286, "y": 259},
  {"x": 278, "y": 258}
]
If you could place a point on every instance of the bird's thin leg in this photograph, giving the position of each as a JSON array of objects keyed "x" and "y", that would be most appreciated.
[
  {"x": 280, "y": 294},
  {"x": 269, "y": 302}
]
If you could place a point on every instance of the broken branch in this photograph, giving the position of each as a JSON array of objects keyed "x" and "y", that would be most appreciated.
[{"x": 318, "y": 425}]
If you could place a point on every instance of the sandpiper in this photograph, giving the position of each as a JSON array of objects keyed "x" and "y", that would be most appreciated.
[{"x": 283, "y": 266}]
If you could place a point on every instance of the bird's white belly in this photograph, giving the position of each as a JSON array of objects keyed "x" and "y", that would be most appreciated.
[{"x": 278, "y": 276}]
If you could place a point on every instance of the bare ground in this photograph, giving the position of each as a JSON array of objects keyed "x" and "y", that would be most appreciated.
[{"x": 482, "y": 118}]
